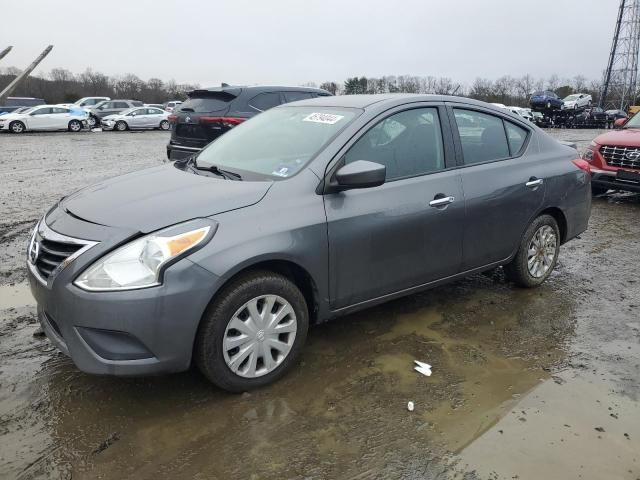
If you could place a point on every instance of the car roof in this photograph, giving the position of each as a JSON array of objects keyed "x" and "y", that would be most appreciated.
[
  {"x": 235, "y": 89},
  {"x": 389, "y": 100}
]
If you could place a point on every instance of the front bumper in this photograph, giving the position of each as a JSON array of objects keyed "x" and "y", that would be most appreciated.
[
  {"x": 135, "y": 332},
  {"x": 107, "y": 125},
  {"x": 608, "y": 179}
]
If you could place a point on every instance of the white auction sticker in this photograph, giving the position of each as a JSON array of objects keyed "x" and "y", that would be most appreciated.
[{"x": 327, "y": 118}]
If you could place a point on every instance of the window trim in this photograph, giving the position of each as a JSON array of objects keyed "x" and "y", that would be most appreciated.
[
  {"x": 487, "y": 111},
  {"x": 448, "y": 143}
]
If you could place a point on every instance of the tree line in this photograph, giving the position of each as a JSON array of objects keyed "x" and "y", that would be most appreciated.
[{"x": 62, "y": 86}]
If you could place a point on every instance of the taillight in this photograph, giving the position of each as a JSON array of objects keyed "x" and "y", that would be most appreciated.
[
  {"x": 225, "y": 121},
  {"x": 172, "y": 118},
  {"x": 582, "y": 164}
]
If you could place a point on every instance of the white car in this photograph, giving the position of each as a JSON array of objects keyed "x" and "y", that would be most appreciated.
[
  {"x": 172, "y": 105},
  {"x": 44, "y": 117},
  {"x": 522, "y": 112},
  {"x": 576, "y": 101},
  {"x": 137, "y": 118}
]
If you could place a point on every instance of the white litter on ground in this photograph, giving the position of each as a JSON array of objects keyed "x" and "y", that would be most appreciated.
[
  {"x": 95, "y": 130},
  {"x": 423, "y": 368},
  {"x": 410, "y": 406}
]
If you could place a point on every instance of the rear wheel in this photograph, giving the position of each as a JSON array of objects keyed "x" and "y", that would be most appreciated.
[
  {"x": 537, "y": 254},
  {"x": 121, "y": 126},
  {"x": 17, "y": 127},
  {"x": 75, "y": 126},
  {"x": 164, "y": 125},
  {"x": 253, "y": 332}
]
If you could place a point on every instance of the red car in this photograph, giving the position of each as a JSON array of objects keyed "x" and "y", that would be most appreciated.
[{"x": 615, "y": 159}]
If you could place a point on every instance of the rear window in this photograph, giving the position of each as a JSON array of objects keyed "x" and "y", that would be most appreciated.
[{"x": 208, "y": 103}]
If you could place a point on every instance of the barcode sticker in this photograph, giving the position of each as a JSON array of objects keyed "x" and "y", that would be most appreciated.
[{"x": 327, "y": 118}]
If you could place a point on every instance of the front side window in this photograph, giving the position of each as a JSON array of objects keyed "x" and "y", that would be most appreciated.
[
  {"x": 121, "y": 105},
  {"x": 408, "y": 144},
  {"x": 277, "y": 143},
  {"x": 482, "y": 136}
]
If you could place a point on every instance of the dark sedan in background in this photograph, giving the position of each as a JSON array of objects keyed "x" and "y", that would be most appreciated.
[
  {"x": 208, "y": 113},
  {"x": 301, "y": 214},
  {"x": 545, "y": 100}
]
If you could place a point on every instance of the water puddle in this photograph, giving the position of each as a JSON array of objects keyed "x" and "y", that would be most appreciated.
[{"x": 15, "y": 296}]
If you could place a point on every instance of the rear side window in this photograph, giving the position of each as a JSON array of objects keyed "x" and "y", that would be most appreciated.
[
  {"x": 482, "y": 136},
  {"x": 60, "y": 110},
  {"x": 295, "y": 96},
  {"x": 516, "y": 136},
  {"x": 265, "y": 101},
  {"x": 206, "y": 103}
]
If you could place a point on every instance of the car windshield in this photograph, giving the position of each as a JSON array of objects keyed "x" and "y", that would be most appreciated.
[
  {"x": 28, "y": 110},
  {"x": 278, "y": 142},
  {"x": 633, "y": 122},
  {"x": 538, "y": 93},
  {"x": 571, "y": 97}
]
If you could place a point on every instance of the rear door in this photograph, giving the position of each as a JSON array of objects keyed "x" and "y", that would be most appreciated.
[
  {"x": 154, "y": 117},
  {"x": 408, "y": 231},
  {"x": 60, "y": 117},
  {"x": 502, "y": 179}
]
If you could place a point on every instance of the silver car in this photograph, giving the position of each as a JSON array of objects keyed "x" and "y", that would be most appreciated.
[{"x": 137, "y": 118}]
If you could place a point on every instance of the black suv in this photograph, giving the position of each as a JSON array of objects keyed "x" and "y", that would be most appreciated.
[{"x": 208, "y": 113}]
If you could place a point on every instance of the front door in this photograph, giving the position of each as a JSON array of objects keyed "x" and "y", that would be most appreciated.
[
  {"x": 503, "y": 188},
  {"x": 408, "y": 231}
]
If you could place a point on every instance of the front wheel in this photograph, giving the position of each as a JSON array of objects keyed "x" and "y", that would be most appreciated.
[
  {"x": 537, "y": 254},
  {"x": 75, "y": 126},
  {"x": 253, "y": 332},
  {"x": 92, "y": 121},
  {"x": 164, "y": 125},
  {"x": 17, "y": 127},
  {"x": 121, "y": 126}
]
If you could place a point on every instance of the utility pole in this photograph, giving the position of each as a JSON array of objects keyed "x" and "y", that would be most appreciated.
[
  {"x": 4, "y": 52},
  {"x": 25, "y": 73},
  {"x": 619, "y": 87}
]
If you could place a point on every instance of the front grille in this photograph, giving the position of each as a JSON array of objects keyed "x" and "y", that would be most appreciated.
[
  {"x": 52, "y": 254},
  {"x": 617, "y": 156},
  {"x": 50, "y": 251},
  {"x": 53, "y": 324}
]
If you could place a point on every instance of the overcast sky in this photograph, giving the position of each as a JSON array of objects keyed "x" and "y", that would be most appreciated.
[{"x": 297, "y": 41}]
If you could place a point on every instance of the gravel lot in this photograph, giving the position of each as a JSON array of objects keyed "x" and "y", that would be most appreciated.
[{"x": 526, "y": 384}]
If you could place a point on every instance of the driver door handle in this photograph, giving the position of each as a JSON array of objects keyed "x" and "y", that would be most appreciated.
[
  {"x": 534, "y": 182},
  {"x": 441, "y": 202}
]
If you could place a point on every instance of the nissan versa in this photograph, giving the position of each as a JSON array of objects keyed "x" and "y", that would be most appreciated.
[{"x": 305, "y": 212}]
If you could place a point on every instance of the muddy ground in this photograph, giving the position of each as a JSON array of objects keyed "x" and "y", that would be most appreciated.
[{"x": 526, "y": 384}]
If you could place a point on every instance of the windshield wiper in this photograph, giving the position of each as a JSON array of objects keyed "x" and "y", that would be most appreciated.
[{"x": 218, "y": 171}]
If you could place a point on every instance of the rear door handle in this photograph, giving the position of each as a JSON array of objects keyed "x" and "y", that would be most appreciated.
[
  {"x": 441, "y": 202},
  {"x": 534, "y": 182}
]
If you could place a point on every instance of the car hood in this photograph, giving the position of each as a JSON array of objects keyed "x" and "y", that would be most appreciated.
[
  {"x": 158, "y": 197},
  {"x": 626, "y": 137},
  {"x": 12, "y": 116}
]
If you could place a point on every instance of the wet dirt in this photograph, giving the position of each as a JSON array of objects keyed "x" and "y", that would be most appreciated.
[{"x": 540, "y": 383}]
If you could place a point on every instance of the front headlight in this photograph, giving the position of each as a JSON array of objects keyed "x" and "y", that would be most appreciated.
[{"x": 139, "y": 264}]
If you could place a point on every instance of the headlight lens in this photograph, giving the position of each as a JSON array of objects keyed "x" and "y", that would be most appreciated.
[{"x": 139, "y": 263}]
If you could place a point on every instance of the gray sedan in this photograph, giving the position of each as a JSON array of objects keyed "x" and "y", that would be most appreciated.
[
  {"x": 137, "y": 118},
  {"x": 304, "y": 213}
]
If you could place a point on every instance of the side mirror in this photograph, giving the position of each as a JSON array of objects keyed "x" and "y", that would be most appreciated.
[
  {"x": 619, "y": 123},
  {"x": 361, "y": 174},
  {"x": 133, "y": 114}
]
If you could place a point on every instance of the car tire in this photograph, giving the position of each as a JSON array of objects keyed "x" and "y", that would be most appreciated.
[
  {"x": 598, "y": 190},
  {"x": 164, "y": 125},
  {"x": 92, "y": 122},
  {"x": 215, "y": 358},
  {"x": 17, "y": 127},
  {"x": 121, "y": 126},
  {"x": 75, "y": 126},
  {"x": 530, "y": 269}
]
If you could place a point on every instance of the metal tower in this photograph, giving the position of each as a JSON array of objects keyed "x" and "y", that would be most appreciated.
[{"x": 619, "y": 87}]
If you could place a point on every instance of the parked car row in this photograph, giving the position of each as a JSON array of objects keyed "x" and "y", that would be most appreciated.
[
  {"x": 44, "y": 117},
  {"x": 546, "y": 100}
]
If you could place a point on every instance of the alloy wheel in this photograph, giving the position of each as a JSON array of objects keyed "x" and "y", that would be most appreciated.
[
  {"x": 542, "y": 251},
  {"x": 259, "y": 336}
]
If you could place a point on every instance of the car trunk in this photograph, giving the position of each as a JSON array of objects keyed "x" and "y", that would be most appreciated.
[{"x": 201, "y": 119}]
